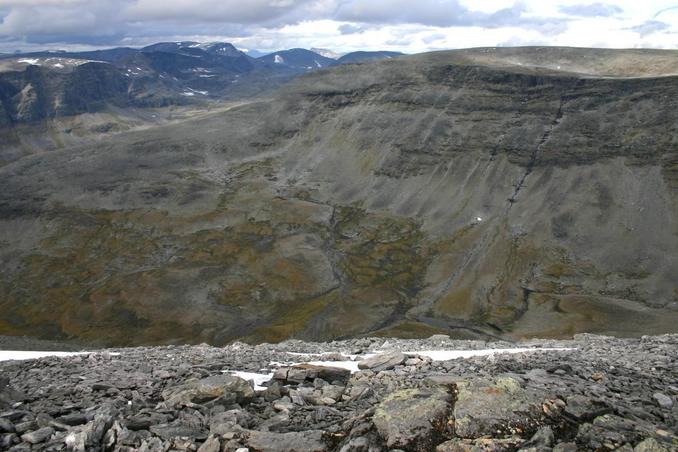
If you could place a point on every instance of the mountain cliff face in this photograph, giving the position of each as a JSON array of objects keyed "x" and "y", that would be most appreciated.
[
  {"x": 44, "y": 86},
  {"x": 483, "y": 193}
]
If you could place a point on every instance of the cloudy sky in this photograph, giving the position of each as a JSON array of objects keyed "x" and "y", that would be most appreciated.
[{"x": 341, "y": 25}]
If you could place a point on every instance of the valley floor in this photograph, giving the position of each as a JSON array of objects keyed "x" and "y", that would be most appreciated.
[{"x": 591, "y": 393}]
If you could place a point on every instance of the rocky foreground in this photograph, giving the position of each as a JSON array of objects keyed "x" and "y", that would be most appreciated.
[{"x": 592, "y": 393}]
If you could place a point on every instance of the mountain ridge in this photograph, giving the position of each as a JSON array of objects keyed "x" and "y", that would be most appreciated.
[
  {"x": 161, "y": 74},
  {"x": 455, "y": 192}
]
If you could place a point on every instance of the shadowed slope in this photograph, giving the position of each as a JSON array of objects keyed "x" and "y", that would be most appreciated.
[{"x": 439, "y": 192}]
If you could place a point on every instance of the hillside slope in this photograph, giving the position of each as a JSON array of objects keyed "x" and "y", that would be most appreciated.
[{"x": 483, "y": 193}]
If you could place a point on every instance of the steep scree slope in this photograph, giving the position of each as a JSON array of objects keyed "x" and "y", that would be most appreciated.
[{"x": 481, "y": 193}]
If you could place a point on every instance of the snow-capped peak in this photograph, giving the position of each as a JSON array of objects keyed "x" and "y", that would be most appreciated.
[{"x": 326, "y": 53}]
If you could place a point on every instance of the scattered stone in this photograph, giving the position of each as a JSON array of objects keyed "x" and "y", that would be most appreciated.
[
  {"x": 308, "y": 372},
  {"x": 211, "y": 445},
  {"x": 227, "y": 388},
  {"x": 541, "y": 440},
  {"x": 7, "y": 440},
  {"x": 585, "y": 409},
  {"x": 480, "y": 445},
  {"x": 177, "y": 398},
  {"x": 307, "y": 441},
  {"x": 6, "y": 425},
  {"x": 384, "y": 361},
  {"x": 176, "y": 430},
  {"x": 663, "y": 400},
  {"x": 38, "y": 436},
  {"x": 73, "y": 419},
  {"x": 652, "y": 445},
  {"x": 565, "y": 447},
  {"x": 414, "y": 419},
  {"x": 487, "y": 407},
  {"x": 597, "y": 376}
]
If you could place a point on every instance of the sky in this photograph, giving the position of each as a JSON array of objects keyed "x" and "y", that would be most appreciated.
[{"x": 409, "y": 26}]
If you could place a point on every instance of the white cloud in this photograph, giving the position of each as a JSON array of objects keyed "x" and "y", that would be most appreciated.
[{"x": 342, "y": 25}]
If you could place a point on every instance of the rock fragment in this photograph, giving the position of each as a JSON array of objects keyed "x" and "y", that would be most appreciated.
[
  {"x": 414, "y": 419},
  {"x": 228, "y": 389},
  {"x": 383, "y": 361},
  {"x": 38, "y": 436}
]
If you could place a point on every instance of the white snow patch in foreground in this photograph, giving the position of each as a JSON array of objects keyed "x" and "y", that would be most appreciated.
[
  {"x": 257, "y": 379},
  {"x": 15, "y": 355},
  {"x": 436, "y": 355},
  {"x": 446, "y": 355}
]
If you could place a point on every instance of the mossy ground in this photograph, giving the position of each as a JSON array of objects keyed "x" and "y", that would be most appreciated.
[{"x": 147, "y": 276}]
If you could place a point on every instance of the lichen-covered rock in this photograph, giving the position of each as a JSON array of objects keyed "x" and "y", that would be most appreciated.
[
  {"x": 227, "y": 388},
  {"x": 487, "y": 407},
  {"x": 652, "y": 445},
  {"x": 307, "y": 441},
  {"x": 480, "y": 445},
  {"x": 414, "y": 419},
  {"x": 611, "y": 432}
]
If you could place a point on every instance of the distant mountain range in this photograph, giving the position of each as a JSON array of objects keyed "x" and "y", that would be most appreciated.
[
  {"x": 299, "y": 59},
  {"x": 362, "y": 57},
  {"x": 40, "y": 85}
]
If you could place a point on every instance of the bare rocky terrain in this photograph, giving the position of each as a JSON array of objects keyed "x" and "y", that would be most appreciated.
[
  {"x": 591, "y": 393},
  {"x": 483, "y": 193}
]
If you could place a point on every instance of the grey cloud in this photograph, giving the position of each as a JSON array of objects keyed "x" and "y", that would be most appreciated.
[
  {"x": 230, "y": 11},
  {"x": 108, "y": 22},
  {"x": 433, "y": 38},
  {"x": 427, "y": 12},
  {"x": 67, "y": 22},
  {"x": 349, "y": 29},
  {"x": 649, "y": 27},
  {"x": 591, "y": 10},
  {"x": 441, "y": 13}
]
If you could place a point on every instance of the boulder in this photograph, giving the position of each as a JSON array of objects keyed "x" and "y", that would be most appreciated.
[
  {"x": 177, "y": 429},
  {"x": 585, "y": 409},
  {"x": 89, "y": 436},
  {"x": 7, "y": 440},
  {"x": 652, "y": 445},
  {"x": 307, "y": 441},
  {"x": 309, "y": 372},
  {"x": 6, "y": 425},
  {"x": 480, "y": 445},
  {"x": 8, "y": 395},
  {"x": 73, "y": 419},
  {"x": 414, "y": 419},
  {"x": 663, "y": 400},
  {"x": 383, "y": 361},
  {"x": 542, "y": 440},
  {"x": 38, "y": 436},
  {"x": 211, "y": 445},
  {"x": 488, "y": 407},
  {"x": 612, "y": 430},
  {"x": 228, "y": 389}
]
